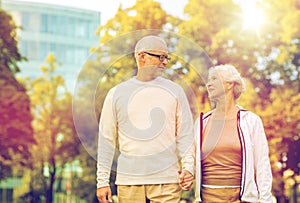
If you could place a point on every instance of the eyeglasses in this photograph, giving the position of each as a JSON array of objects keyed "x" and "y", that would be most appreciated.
[{"x": 160, "y": 57}]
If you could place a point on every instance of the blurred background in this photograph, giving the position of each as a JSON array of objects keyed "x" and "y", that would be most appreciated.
[{"x": 45, "y": 46}]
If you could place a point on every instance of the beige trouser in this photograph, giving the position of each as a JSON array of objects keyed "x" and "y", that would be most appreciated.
[
  {"x": 220, "y": 195},
  {"x": 158, "y": 193}
]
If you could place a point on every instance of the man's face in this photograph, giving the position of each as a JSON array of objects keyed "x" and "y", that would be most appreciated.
[{"x": 155, "y": 62}]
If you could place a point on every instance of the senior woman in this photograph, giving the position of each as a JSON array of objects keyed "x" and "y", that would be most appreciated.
[{"x": 232, "y": 156}]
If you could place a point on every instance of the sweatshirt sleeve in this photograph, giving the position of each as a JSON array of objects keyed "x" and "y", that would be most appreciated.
[
  {"x": 262, "y": 163},
  {"x": 106, "y": 141},
  {"x": 184, "y": 133}
]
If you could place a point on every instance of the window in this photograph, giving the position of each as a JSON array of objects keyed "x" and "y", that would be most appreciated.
[
  {"x": 25, "y": 20},
  {"x": 44, "y": 23},
  {"x": 43, "y": 50},
  {"x": 70, "y": 27},
  {"x": 6, "y": 195},
  {"x": 53, "y": 24},
  {"x": 23, "y": 47},
  {"x": 81, "y": 28},
  {"x": 62, "y": 22}
]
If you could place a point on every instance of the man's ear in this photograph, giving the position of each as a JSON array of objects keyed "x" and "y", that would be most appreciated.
[
  {"x": 141, "y": 56},
  {"x": 143, "y": 59}
]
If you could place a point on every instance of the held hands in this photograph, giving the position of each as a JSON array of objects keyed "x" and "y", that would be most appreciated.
[
  {"x": 185, "y": 179},
  {"x": 104, "y": 195}
]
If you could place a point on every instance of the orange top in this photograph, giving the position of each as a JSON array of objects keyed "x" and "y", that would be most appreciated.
[{"x": 221, "y": 154}]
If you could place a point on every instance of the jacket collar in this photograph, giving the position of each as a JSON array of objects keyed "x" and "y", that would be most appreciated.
[{"x": 241, "y": 111}]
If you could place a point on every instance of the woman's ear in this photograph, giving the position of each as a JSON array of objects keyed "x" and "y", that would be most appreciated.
[{"x": 229, "y": 85}]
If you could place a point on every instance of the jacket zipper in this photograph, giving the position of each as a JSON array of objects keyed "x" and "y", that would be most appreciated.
[
  {"x": 242, "y": 141},
  {"x": 201, "y": 129}
]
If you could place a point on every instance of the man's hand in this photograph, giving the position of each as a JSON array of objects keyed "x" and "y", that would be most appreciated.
[
  {"x": 104, "y": 195},
  {"x": 185, "y": 179}
]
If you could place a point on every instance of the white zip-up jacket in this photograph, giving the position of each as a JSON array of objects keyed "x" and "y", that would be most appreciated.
[{"x": 256, "y": 180}]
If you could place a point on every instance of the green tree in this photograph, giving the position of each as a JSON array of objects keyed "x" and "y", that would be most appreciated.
[
  {"x": 10, "y": 54},
  {"x": 16, "y": 133},
  {"x": 113, "y": 62},
  {"x": 57, "y": 142},
  {"x": 217, "y": 26},
  {"x": 145, "y": 14},
  {"x": 282, "y": 128},
  {"x": 106, "y": 68},
  {"x": 277, "y": 59},
  {"x": 87, "y": 163},
  {"x": 270, "y": 61},
  {"x": 284, "y": 65}
]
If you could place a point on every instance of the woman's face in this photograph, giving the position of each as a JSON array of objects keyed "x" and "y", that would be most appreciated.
[{"x": 216, "y": 85}]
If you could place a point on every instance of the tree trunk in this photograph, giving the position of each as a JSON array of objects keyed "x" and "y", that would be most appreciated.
[
  {"x": 281, "y": 197},
  {"x": 294, "y": 190},
  {"x": 50, "y": 192}
]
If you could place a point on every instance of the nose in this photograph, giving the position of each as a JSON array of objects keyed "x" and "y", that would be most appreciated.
[{"x": 165, "y": 61}]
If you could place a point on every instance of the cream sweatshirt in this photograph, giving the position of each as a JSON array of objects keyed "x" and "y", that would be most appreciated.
[{"x": 151, "y": 125}]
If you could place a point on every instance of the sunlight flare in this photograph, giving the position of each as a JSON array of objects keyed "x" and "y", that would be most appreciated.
[{"x": 253, "y": 16}]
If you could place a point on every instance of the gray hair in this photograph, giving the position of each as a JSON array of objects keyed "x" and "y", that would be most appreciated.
[{"x": 230, "y": 74}]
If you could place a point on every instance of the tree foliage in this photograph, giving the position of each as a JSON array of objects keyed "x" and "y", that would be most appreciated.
[
  {"x": 57, "y": 143},
  {"x": 106, "y": 68},
  {"x": 16, "y": 133},
  {"x": 145, "y": 14},
  {"x": 9, "y": 55},
  {"x": 268, "y": 58},
  {"x": 256, "y": 56},
  {"x": 88, "y": 165},
  {"x": 282, "y": 128},
  {"x": 111, "y": 63}
]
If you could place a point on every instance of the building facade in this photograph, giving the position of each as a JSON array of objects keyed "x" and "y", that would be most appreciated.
[{"x": 67, "y": 32}]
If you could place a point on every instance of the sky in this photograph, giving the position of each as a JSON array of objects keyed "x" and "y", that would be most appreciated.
[{"x": 108, "y": 8}]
